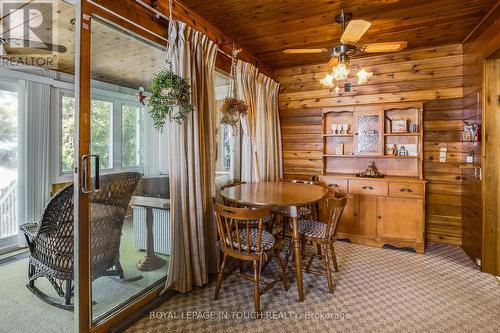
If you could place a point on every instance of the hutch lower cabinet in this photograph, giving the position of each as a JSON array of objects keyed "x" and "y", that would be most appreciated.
[{"x": 382, "y": 211}]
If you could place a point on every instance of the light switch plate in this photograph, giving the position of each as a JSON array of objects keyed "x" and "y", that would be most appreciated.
[{"x": 442, "y": 154}]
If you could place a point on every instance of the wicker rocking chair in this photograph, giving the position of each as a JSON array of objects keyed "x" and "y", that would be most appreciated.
[{"x": 51, "y": 240}]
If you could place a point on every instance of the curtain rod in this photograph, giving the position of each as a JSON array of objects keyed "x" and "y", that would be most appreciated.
[{"x": 159, "y": 14}]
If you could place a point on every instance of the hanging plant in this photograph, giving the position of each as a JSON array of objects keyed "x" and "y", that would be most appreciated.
[
  {"x": 233, "y": 108},
  {"x": 170, "y": 98}
]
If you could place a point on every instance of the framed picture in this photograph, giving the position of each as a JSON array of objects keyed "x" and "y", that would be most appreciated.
[
  {"x": 399, "y": 126},
  {"x": 390, "y": 149}
]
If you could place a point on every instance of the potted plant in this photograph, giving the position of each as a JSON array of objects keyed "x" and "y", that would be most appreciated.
[{"x": 170, "y": 98}]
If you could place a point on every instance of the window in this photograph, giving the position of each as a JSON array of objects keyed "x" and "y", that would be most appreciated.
[
  {"x": 131, "y": 137},
  {"x": 123, "y": 145},
  {"x": 8, "y": 166},
  {"x": 101, "y": 132},
  {"x": 67, "y": 133}
]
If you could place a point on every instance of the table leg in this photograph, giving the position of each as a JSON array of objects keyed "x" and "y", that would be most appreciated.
[
  {"x": 151, "y": 261},
  {"x": 298, "y": 258}
]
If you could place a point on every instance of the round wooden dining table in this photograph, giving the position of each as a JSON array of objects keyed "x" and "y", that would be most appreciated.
[{"x": 279, "y": 194}]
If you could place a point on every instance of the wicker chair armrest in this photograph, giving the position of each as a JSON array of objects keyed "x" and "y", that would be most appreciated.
[{"x": 30, "y": 230}]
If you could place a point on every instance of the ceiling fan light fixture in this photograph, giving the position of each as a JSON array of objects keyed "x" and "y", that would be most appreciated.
[
  {"x": 363, "y": 75},
  {"x": 327, "y": 81},
  {"x": 340, "y": 72}
]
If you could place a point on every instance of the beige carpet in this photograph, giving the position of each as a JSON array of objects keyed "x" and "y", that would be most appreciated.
[{"x": 378, "y": 290}]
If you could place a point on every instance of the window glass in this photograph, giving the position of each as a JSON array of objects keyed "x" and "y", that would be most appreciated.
[
  {"x": 67, "y": 133},
  {"x": 131, "y": 137},
  {"x": 101, "y": 132}
]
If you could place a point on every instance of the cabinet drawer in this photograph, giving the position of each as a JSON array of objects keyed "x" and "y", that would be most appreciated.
[
  {"x": 335, "y": 184},
  {"x": 369, "y": 187},
  {"x": 406, "y": 190}
]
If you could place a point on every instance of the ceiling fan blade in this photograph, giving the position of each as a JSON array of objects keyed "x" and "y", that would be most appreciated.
[
  {"x": 384, "y": 47},
  {"x": 354, "y": 31},
  {"x": 333, "y": 62},
  {"x": 37, "y": 45},
  {"x": 304, "y": 51}
]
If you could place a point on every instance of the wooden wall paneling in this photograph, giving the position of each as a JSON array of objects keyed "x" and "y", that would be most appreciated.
[{"x": 433, "y": 76}]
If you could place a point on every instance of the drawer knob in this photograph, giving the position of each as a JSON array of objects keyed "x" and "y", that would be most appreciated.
[
  {"x": 407, "y": 190},
  {"x": 366, "y": 187},
  {"x": 333, "y": 185}
]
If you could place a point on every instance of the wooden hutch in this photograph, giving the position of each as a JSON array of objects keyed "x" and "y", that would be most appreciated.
[{"x": 388, "y": 210}]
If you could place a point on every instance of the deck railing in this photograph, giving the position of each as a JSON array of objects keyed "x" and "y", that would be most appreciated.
[{"x": 8, "y": 203}]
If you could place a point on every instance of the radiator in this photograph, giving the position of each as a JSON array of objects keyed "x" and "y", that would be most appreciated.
[{"x": 161, "y": 229}]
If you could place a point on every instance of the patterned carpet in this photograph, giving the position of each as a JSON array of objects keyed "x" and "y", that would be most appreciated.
[{"x": 377, "y": 290}]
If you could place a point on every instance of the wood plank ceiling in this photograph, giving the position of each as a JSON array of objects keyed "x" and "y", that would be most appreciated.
[{"x": 267, "y": 27}]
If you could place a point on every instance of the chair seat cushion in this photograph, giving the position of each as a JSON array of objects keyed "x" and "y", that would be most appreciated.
[
  {"x": 266, "y": 244},
  {"x": 302, "y": 213},
  {"x": 312, "y": 228},
  {"x": 267, "y": 219}
]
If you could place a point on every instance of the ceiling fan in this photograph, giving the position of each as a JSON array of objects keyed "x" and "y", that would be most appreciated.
[
  {"x": 33, "y": 46},
  {"x": 348, "y": 47}
]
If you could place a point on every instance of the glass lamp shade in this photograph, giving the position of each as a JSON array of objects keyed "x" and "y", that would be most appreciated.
[
  {"x": 327, "y": 81},
  {"x": 363, "y": 75},
  {"x": 340, "y": 72}
]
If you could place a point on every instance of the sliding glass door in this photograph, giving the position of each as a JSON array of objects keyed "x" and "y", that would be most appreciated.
[
  {"x": 123, "y": 192},
  {"x": 9, "y": 119}
]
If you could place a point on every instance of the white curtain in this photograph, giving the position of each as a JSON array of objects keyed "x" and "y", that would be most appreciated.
[
  {"x": 247, "y": 87},
  {"x": 191, "y": 164},
  {"x": 261, "y": 147},
  {"x": 268, "y": 130},
  {"x": 34, "y": 184}
]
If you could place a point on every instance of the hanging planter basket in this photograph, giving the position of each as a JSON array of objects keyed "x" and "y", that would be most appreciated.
[
  {"x": 170, "y": 98},
  {"x": 233, "y": 108}
]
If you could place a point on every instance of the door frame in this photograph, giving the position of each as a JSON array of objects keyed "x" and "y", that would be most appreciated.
[{"x": 144, "y": 26}]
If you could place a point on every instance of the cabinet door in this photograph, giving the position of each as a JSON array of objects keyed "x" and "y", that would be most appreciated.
[
  {"x": 400, "y": 218},
  {"x": 368, "y": 132},
  {"x": 367, "y": 215},
  {"x": 347, "y": 224}
]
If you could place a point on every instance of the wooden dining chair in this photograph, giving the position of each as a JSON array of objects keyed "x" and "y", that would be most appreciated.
[
  {"x": 240, "y": 241},
  {"x": 323, "y": 233}
]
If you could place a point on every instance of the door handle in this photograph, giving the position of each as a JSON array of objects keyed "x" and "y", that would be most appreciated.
[{"x": 85, "y": 164}]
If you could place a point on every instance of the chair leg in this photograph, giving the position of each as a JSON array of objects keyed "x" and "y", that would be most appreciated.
[
  {"x": 31, "y": 272},
  {"x": 284, "y": 224},
  {"x": 220, "y": 276},
  {"x": 328, "y": 269},
  {"x": 334, "y": 257},
  {"x": 119, "y": 270},
  {"x": 256, "y": 290},
  {"x": 282, "y": 269},
  {"x": 318, "y": 246},
  {"x": 67, "y": 294}
]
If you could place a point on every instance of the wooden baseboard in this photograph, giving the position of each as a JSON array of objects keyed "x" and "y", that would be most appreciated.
[{"x": 377, "y": 242}]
